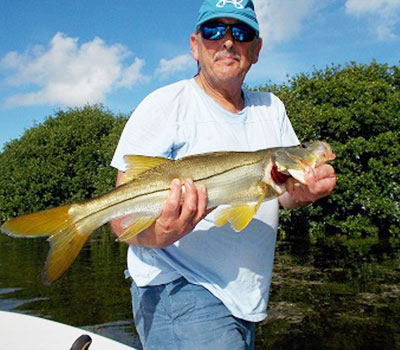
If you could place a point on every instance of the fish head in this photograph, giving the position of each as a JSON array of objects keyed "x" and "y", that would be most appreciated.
[
  {"x": 319, "y": 152},
  {"x": 294, "y": 162}
]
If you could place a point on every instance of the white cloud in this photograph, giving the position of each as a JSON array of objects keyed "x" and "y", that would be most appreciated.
[
  {"x": 360, "y": 7},
  {"x": 280, "y": 20},
  {"x": 177, "y": 64},
  {"x": 384, "y": 15},
  {"x": 67, "y": 74},
  {"x": 132, "y": 74}
]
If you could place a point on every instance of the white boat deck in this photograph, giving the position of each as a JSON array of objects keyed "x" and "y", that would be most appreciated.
[{"x": 20, "y": 332}]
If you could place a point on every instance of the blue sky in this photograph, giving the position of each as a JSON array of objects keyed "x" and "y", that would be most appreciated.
[{"x": 56, "y": 54}]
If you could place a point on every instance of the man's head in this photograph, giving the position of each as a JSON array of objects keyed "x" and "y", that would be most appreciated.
[{"x": 226, "y": 41}]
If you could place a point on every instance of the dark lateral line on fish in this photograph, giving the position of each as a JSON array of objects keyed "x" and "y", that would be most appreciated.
[{"x": 164, "y": 189}]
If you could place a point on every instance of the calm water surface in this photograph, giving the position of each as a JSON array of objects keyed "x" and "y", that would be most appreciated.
[{"x": 325, "y": 296}]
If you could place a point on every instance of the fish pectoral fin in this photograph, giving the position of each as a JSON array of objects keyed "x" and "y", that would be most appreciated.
[
  {"x": 137, "y": 165},
  {"x": 138, "y": 226},
  {"x": 238, "y": 216}
]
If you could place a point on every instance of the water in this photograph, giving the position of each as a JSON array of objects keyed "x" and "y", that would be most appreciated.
[{"x": 329, "y": 296}]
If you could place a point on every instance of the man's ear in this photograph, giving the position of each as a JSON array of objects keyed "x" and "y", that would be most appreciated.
[
  {"x": 194, "y": 44},
  {"x": 257, "y": 49}
]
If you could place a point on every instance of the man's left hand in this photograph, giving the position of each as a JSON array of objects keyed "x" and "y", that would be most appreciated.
[{"x": 320, "y": 182}]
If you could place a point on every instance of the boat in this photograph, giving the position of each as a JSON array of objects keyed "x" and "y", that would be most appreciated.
[{"x": 22, "y": 332}]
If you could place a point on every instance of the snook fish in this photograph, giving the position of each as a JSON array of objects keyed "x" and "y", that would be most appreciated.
[{"x": 241, "y": 180}]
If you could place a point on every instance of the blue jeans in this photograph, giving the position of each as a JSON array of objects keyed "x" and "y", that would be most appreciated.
[{"x": 183, "y": 316}]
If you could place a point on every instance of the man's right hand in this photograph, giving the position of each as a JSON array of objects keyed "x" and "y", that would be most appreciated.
[{"x": 176, "y": 219}]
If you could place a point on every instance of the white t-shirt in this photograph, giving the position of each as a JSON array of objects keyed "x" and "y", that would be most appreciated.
[{"x": 180, "y": 120}]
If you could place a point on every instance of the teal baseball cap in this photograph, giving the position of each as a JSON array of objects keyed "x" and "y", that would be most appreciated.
[{"x": 242, "y": 10}]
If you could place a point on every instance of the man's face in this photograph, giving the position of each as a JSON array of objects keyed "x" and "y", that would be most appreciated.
[{"x": 226, "y": 59}]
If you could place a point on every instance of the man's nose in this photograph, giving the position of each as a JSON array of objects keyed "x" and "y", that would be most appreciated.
[{"x": 228, "y": 39}]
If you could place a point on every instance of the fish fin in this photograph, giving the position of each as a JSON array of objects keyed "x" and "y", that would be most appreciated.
[
  {"x": 222, "y": 217},
  {"x": 128, "y": 221},
  {"x": 64, "y": 248},
  {"x": 137, "y": 165},
  {"x": 65, "y": 239},
  {"x": 41, "y": 223},
  {"x": 138, "y": 226},
  {"x": 238, "y": 216}
]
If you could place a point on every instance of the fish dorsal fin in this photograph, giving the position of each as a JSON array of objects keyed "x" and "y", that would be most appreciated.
[
  {"x": 139, "y": 225},
  {"x": 238, "y": 216},
  {"x": 137, "y": 165}
]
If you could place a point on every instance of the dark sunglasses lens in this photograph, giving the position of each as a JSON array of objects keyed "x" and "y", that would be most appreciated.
[
  {"x": 213, "y": 31},
  {"x": 216, "y": 31},
  {"x": 242, "y": 32}
]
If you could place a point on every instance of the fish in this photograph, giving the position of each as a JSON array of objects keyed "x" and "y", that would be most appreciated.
[{"x": 239, "y": 180}]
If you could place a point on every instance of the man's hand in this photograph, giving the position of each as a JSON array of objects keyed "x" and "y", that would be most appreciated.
[
  {"x": 320, "y": 183},
  {"x": 177, "y": 219}
]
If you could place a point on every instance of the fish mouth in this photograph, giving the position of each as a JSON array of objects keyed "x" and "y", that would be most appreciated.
[
  {"x": 279, "y": 177},
  {"x": 275, "y": 179}
]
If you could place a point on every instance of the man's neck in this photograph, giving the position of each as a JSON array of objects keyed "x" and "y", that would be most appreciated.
[{"x": 229, "y": 98}]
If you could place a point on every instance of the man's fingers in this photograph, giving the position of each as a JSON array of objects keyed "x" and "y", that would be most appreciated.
[
  {"x": 171, "y": 208},
  {"x": 321, "y": 180},
  {"x": 189, "y": 206},
  {"x": 202, "y": 201},
  {"x": 180, "y": 218}
]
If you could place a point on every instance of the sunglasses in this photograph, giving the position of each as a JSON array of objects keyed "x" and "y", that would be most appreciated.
[{"x": 217, "y": 30}]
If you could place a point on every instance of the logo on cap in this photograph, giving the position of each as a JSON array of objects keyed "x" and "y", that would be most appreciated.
[{"x": 237, "y": 3}]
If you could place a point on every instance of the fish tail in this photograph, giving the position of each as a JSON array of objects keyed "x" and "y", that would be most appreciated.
[{"x": 65, "y": 237}]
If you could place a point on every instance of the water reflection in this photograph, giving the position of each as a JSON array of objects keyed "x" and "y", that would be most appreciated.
[
  {"x": 336, "y": 295},
  {"x": 92, "y": 294}
]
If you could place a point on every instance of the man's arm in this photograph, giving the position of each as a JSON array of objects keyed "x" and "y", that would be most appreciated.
[
  {"x": 175, "y": 221},
  {"x": 320, "y": 183}
]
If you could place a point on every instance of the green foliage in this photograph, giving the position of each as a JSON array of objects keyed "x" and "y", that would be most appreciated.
[
  {"x": 357, "y": 109},
  {"x": 63, "y": 160}
]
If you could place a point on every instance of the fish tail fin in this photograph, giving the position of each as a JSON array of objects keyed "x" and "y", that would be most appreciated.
[
  {"x": 66, "y": 239},
  {"x": 64, "y": 248},
  {"x": 42, "y": 223}
]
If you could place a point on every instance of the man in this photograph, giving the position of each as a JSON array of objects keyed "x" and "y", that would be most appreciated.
[{"x": 196, "y": 286}]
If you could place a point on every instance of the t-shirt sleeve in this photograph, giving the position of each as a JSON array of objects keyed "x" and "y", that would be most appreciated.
[{"x": 149, "y": 131}]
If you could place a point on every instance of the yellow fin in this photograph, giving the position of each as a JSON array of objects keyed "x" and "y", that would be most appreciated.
[
  {"x": 65, "y": 247},
  {"x": 65, "y": 239},
  {"x": 139, "y": 225},
  {"x": 238, "y": 216},
  {"x": 42, "y": 223},
  {"x": 222, "y": 217},
  {"x": 137, "y": 165}
]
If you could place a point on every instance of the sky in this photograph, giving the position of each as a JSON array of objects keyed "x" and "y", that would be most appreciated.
[{"x": 60, "y": 54}]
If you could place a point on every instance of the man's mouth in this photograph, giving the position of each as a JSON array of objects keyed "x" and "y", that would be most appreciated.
[{"x": 223, "y": 55}]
